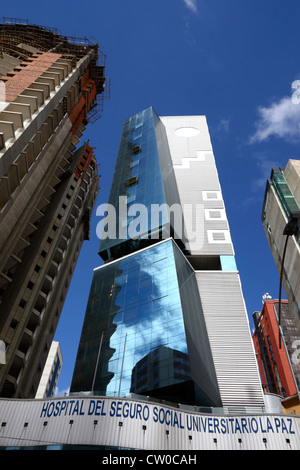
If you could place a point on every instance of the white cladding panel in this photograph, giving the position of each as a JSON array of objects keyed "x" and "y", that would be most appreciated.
[
  {"x": 220, "y": 291},
  {"x": 128, "y": 423},
  {"x": 229, "y": 337},
  {"x": 198, "y": 184}
]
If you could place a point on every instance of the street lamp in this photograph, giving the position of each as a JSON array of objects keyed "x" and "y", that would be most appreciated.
[{"x": 291, "y": 228}]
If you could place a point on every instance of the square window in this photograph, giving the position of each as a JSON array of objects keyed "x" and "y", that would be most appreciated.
[
  {"x": 14, "y": 324},
  {"x": 211, "y": 195},
  {"x": 218, "y": 236},
  {"x": 215, "y": 214}
]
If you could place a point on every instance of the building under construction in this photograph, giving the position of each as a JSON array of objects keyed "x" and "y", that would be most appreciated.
[{"x": 51, "y": 86}]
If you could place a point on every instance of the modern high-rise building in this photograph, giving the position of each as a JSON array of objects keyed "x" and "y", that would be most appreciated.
[
  {"x": 282, "y": 201},
  {"x": 166, "y": 316},
  {"x": 51, "y": 87},
  {"x": 279, "y": 366}
]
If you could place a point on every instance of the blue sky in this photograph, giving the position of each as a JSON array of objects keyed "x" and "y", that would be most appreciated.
[{"x": 231, "y": 60}]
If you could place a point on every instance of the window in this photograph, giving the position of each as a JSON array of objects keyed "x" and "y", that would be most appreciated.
[
  {"x": 14, "y": 323},
  {"x": 135, "y": 163},
  {"x": 132, "y": 181},
  {"x": 136, "y": 150},
  {"x": 211, "y": 195},
  {"x": 218, "y": 236},
  {"x": 215, "y": 214}
]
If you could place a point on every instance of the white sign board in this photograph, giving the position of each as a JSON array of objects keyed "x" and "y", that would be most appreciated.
[{"x": 133, "y": 424}]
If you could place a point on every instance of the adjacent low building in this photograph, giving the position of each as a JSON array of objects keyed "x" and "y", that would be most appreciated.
[{"x": 279, "y": 364}]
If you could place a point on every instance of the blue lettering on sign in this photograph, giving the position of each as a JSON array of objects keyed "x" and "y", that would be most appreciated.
[
  {"x": 168, "y": 417},
  {"x": 129, "y": 410},
  {"x": 72, "y": 408},
  {"x": 96, "y": 407},
  {"x": 65, "y": 407},
  {"x": 237, "y": 425}
]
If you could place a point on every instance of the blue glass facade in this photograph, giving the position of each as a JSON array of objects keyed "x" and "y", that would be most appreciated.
[
  {"x": 135, "y": 337},
  {"x": 145, "y": 177}
]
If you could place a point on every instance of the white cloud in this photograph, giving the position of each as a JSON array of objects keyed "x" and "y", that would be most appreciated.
[
  {"x": 224, "y": 126},
  {"x": 61, "y": 393},
  {"x": 221, "y": 129},
  {"x": 281, "y": 119},
  {"x": 191, "y": 4}
]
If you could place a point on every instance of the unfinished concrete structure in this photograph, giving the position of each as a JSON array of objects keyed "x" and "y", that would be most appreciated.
[{"x": 51, "y": 87}]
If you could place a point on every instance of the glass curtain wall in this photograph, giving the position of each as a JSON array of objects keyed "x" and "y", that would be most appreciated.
[
  {"x": 134, "y": 337},
  {"x": 137, "y": 177}
]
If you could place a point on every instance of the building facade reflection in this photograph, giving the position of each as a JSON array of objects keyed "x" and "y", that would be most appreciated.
[{"x": 137, "y": 307}]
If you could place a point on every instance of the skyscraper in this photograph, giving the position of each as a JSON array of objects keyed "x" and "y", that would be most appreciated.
[
  {"x": 166, "y": 316},
  {"x": 50, "y": 89},
  {"x": 282, "y": 200}
]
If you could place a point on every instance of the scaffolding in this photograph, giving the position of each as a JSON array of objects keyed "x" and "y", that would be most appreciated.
[{"x": 23, "y": 41}]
